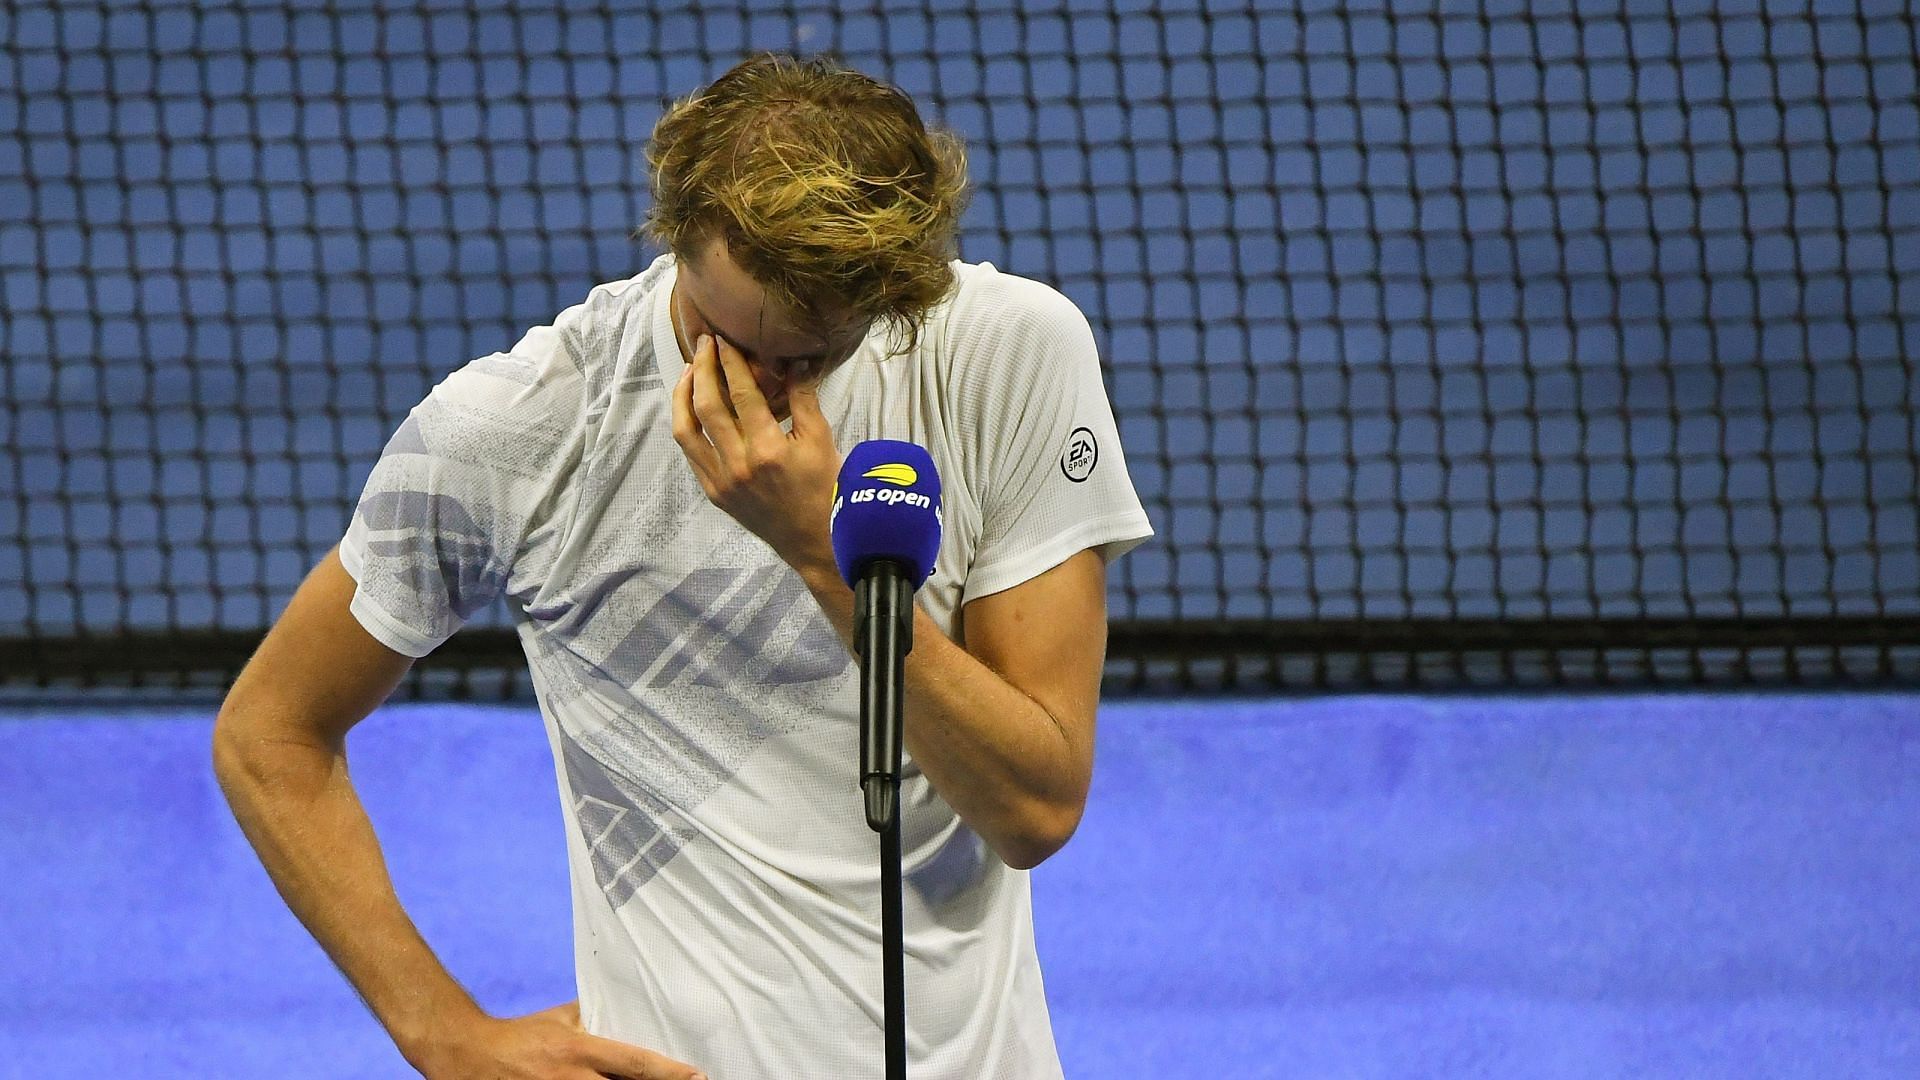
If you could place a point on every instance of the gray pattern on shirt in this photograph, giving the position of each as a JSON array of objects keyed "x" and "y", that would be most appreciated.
[
  {"x": 630, "y": 833},
  {"x": 715, "y": 646}
]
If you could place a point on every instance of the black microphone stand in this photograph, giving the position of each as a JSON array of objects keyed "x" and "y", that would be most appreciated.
[{"x": 883, "y": 636}]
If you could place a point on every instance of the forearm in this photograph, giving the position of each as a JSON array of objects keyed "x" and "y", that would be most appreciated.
[
  {"x": 996, "y": 755},
  {"x": 297, "y": 806}
]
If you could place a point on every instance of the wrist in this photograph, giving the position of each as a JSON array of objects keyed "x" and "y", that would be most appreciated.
[
  {"x": 821, "y": 575},
  {"x": 428, "y": 1034},
  {"x": 810, "y": 556}
]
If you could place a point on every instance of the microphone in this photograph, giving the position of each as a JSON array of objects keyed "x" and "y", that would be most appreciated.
[{"x": 886, "y": 534}]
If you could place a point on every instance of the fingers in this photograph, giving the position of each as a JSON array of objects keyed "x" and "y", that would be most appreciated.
[
  {"x": 721, "y": 418},
  {"x": 743, "y": 392},
  {"x": 803, "y": 404},
  {"x": 632, "y": 1063},
  {"x": 710, "y": 406},
  {"x": 686, "y": 431}
]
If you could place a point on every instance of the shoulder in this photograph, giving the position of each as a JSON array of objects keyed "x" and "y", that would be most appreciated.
[
  {"x": 614, "y": 312},
  {"x": 1007, "y": 331},
  {"x": 527, "y": 402},
  {"x": 986, "y": 299},
  {"x": 584, "y": 345}
]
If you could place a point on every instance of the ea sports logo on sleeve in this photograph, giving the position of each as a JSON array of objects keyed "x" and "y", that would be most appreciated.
[{"x": 1080, "y": 456}]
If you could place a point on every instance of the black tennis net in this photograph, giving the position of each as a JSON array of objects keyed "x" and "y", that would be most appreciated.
[{"x": 1468, "y": 344}]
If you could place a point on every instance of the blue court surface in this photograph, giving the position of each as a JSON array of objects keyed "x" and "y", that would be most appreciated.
[{"x": 1685, "y": 886}]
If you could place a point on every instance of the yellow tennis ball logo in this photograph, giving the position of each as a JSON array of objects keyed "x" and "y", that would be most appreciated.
[{"x": 902, "y": 475}]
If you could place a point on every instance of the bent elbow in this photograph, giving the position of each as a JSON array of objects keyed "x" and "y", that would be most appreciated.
[
  {"x": 1026, "y": 856},
  {"x": 226, "y": 747},
  {"x": 236, "y": 763},
  {"x": 1044, "y": 835}
]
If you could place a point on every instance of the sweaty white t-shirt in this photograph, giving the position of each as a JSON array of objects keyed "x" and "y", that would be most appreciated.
[{"x": 703, "y": 714}]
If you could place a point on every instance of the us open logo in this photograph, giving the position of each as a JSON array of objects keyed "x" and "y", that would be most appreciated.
[
  {"x": 889, "y": 497},
  {"x": 1080, "y": 456}
]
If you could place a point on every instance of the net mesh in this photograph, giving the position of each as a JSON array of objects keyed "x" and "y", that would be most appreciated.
[{"x": 1495, "y": 344}]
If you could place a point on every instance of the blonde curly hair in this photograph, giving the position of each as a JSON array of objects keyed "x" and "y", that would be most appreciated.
[{"x": 826, "y": 185}]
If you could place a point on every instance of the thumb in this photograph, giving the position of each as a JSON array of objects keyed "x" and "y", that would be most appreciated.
[
  {"x": 629, "y": 1062},
  {"x": 568, "y": 1014},
  {"x": 803, "y": 404}
]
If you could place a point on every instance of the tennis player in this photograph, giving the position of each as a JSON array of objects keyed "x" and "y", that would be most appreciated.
[{"x": 647, "y": 482}]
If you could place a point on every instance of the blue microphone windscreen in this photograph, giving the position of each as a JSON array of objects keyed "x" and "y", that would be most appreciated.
[{"x": 887, "y": 506}]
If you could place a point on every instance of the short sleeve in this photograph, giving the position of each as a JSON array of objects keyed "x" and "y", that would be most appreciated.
[
  {"x": 1055, "y": 477},
  {"x": 459, "y": 487}
]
